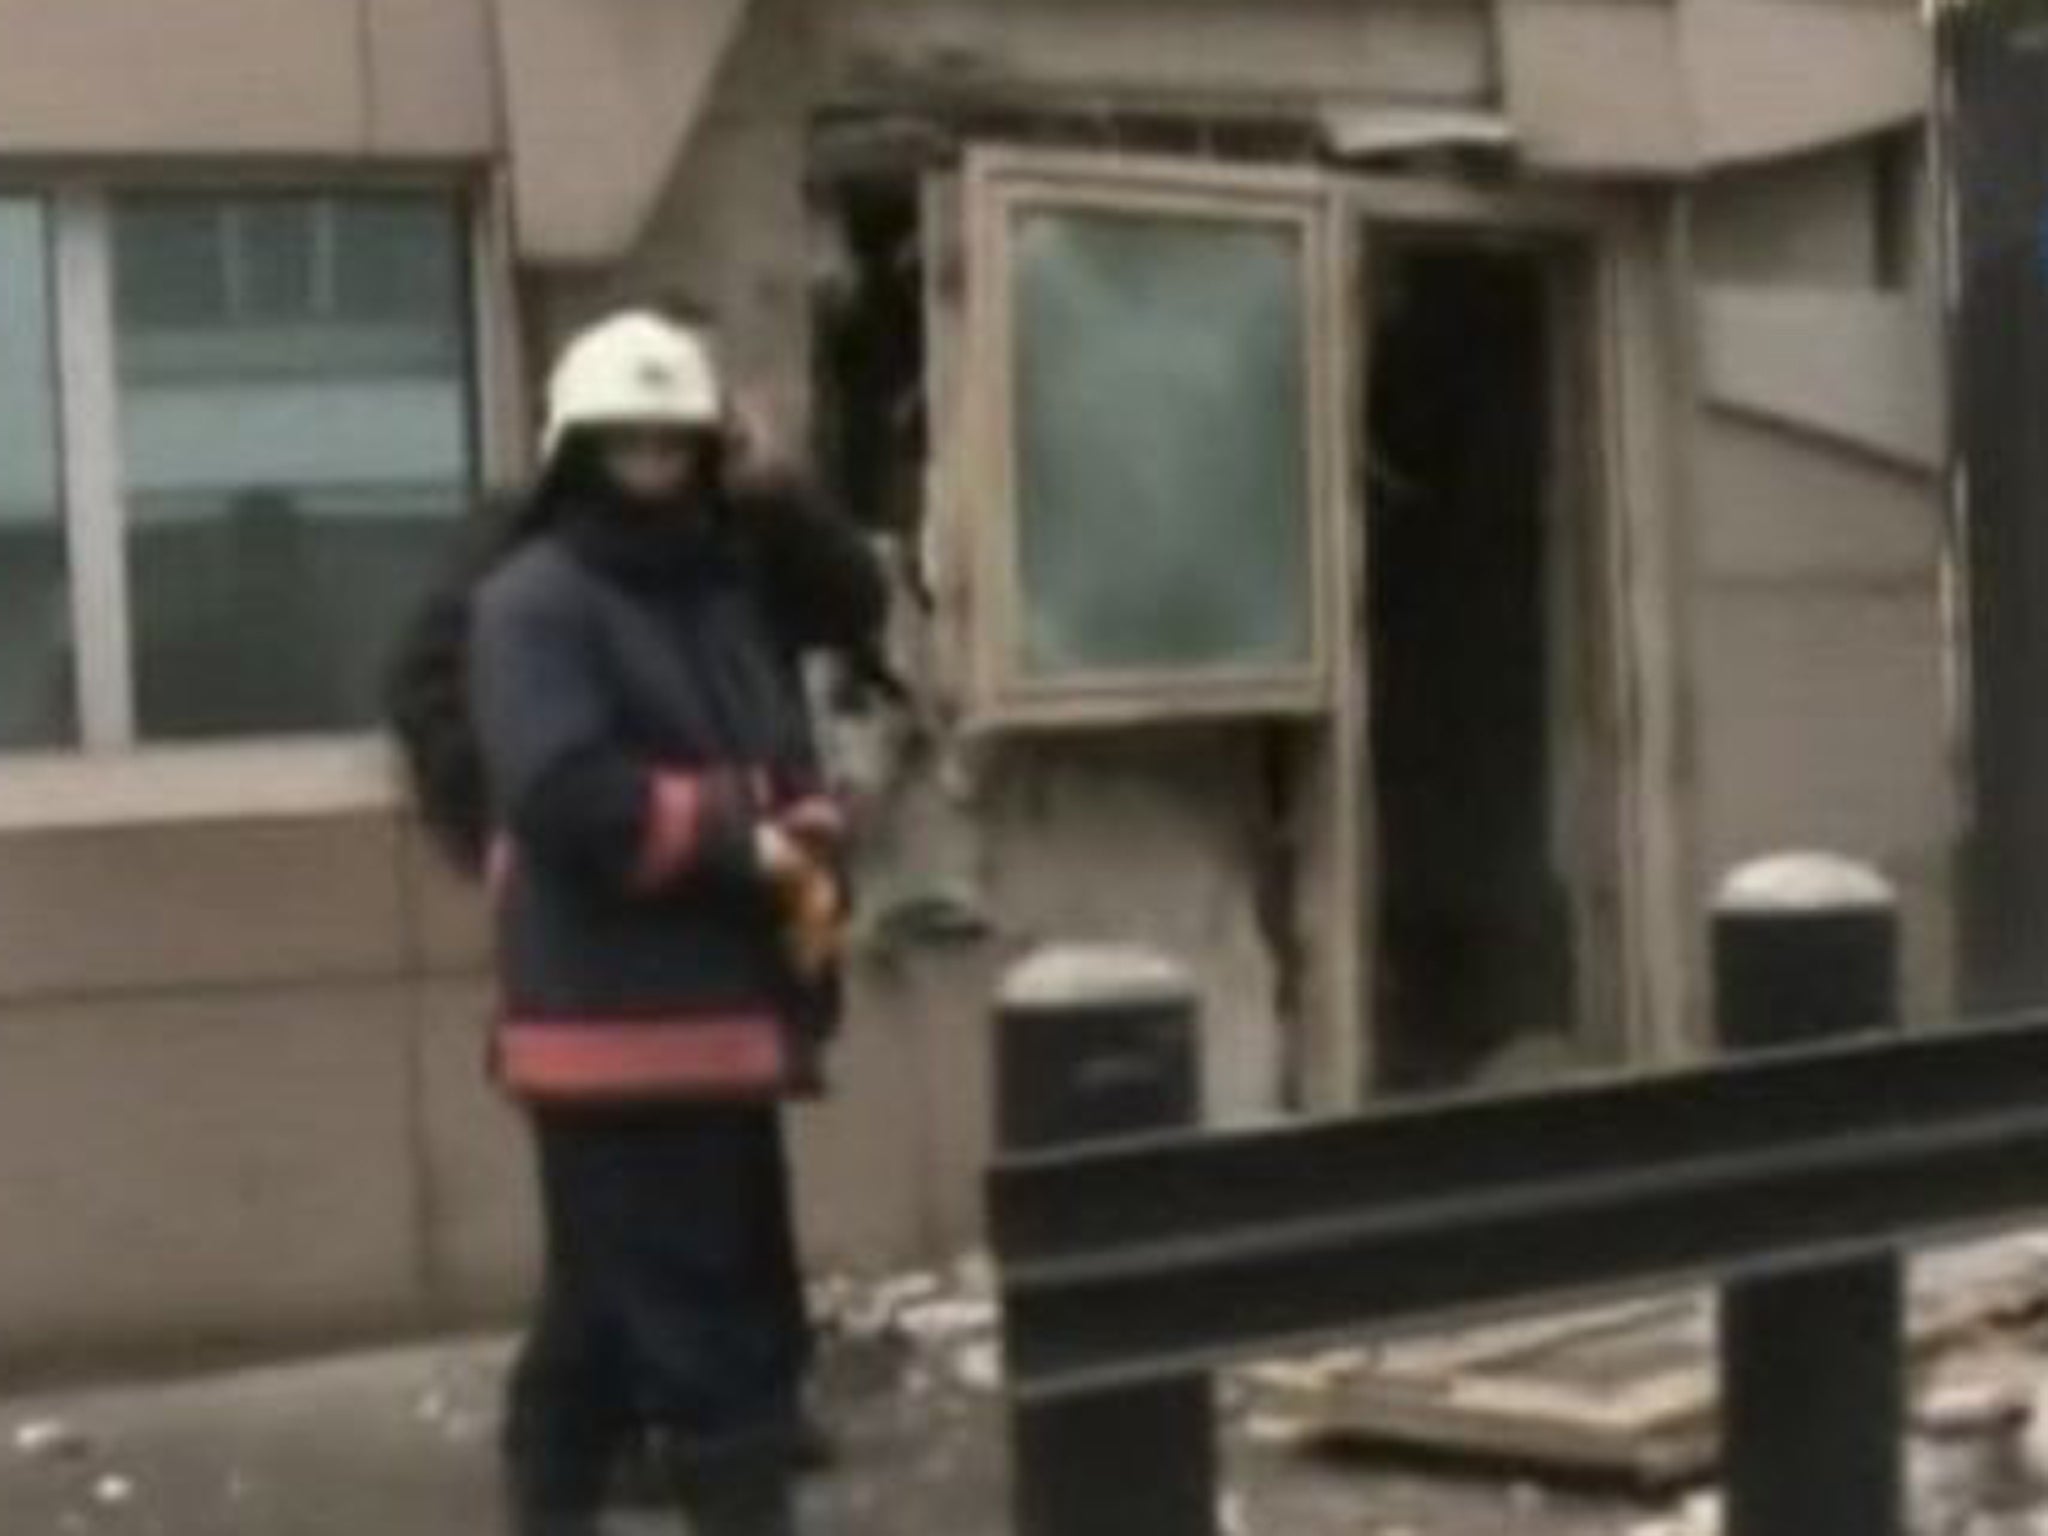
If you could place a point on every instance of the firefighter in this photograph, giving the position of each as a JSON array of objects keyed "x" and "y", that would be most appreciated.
[{"x": 623, "y": 751}]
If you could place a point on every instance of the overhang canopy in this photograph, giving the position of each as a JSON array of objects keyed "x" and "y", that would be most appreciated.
[
  {"x": 1682, "y": 87},
  {"x": 601, "y": 97}
]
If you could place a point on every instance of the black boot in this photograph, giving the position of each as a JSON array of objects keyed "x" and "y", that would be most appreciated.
[
  {"x": 542, "y": 1522},
  {"x": 748, "y": 1491},
  {"x": 551, "y": 1487},
  {"x": 529, "y": 1514},
  {"x": 641, "y": 1481}
]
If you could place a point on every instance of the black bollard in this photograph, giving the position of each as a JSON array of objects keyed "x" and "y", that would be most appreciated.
[
  {"x": 1097, "y": 1043},
  {"x": 1813, "y": 1366}
]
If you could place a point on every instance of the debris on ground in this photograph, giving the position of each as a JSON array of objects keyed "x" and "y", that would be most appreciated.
[
  {"x": 1698, "y": 1516},
  {"x": 1625, "y": 1395},
  {"x": 978, "y": 1366},
  {"x": 51, "y": 1440},
  {"x": 443, "y": 1409},
  {"x": 1967, "y": 1407},
  {"x": 1278, "y": 1432},
  {"x": 911, "y": 1385},
  {"x": 947, "y": 1323},
  {"x": 1629, "y": 1394}
]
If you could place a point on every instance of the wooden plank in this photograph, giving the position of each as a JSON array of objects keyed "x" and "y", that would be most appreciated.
[
  {"x": 1627, "y": 1393},
  {"x": 1429, "y": 1358},
  {"x": 1563, "y": 1444}
]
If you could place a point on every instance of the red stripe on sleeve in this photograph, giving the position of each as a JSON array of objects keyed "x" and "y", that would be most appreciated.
[{"x": 675, "y": 820}]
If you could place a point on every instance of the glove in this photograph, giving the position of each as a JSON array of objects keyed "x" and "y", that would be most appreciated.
[{"x": 796, "y": 854}]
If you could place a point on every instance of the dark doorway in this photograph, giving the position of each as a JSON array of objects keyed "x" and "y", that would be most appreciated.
[{"x": 1474, "y": 948}]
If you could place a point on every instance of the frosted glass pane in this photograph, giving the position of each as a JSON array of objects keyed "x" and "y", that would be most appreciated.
[
  {"x": 36, "y": 677},
  {"x": 1162, "y": 444},
  {"x": 295, "y": 469}
]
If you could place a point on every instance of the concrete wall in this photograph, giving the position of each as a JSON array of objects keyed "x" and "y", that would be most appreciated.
[
  {"x": 1827, "y": 661},
  {"x": 1814, "y": 221},
  {"x": 210, "y": 1112},
  {"x": 408, "y": 79},
  {"x": 244, "y": 1106},
  {"x": 1822, "y": 646}
]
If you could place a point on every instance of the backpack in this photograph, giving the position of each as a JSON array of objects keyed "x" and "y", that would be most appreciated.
[{"x": 428, "y": 695}]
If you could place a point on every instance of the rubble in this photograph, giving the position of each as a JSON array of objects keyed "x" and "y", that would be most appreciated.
[
  {"x": 1278, "y": 1431},
  {"x": 1978, "y": 1467},
  {"x": 921, "y": 1421},
  {"x": 51, "y": 1440},
  {"x": 944, "y": 1319},
  {"x": 1968, "y": 1407},
  {"x": 978, "y": 1366},
  {"x": 1967, "y": 1474},
  {"x": 1942, "y": 1488},
  {"x": 2033, "y": 1438},
  {"x": 1699, "y": 1516},
  {"x": 442, "y": 1408},
  {"x": 947, "y": 1322},
  {"x": 1315, "y": 1373}
]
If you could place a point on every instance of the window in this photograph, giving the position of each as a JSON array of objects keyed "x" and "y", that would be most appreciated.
[
  {"x": 1162, "y": 537},
  {"x": 1207, "y": 442},
  {"x": 36, "y": 675},
  {"x": 1162, "y": 467},
  {"x": 268, "y": 417},
  {"x": 193, "y": 262}
]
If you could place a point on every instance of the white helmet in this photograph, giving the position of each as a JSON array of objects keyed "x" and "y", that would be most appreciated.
[{"x": 634, "y": 369}]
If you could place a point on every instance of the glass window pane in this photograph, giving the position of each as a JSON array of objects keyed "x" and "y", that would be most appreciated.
[
  {"x": 171, "y": 262},
  {"x": 276, "y": 247},
  {"x": 401, "y": 259},
  {"x": 1162, "y": 444},
  {"x": 292, "y": 487},
  {"x": 37, "y": 706}
]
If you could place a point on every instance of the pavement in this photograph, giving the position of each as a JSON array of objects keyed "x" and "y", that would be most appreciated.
[{"x": 399, "y": 1443}]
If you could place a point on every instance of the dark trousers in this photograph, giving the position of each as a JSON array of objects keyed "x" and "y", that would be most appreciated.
[{"x": 672, "y": 1299}]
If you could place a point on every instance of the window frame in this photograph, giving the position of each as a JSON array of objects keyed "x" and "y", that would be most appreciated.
[
  {"x": 1000, "y": 184},
  {"x": 50, "y": 362},
  {"x": 107, "y": 772},
  {"x": 1630, "y": 351}
]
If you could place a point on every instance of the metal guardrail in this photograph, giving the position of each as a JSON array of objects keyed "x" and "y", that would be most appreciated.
[
  {"x": 1138, "y": 1261},
  {"x": 1137, "y": 1256}
]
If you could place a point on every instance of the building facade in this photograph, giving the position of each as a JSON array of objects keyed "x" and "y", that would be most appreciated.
[{"x": 1390, "y": 501}]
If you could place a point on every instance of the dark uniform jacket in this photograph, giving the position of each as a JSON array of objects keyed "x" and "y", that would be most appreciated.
[{"x": 640, "y": 707}]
